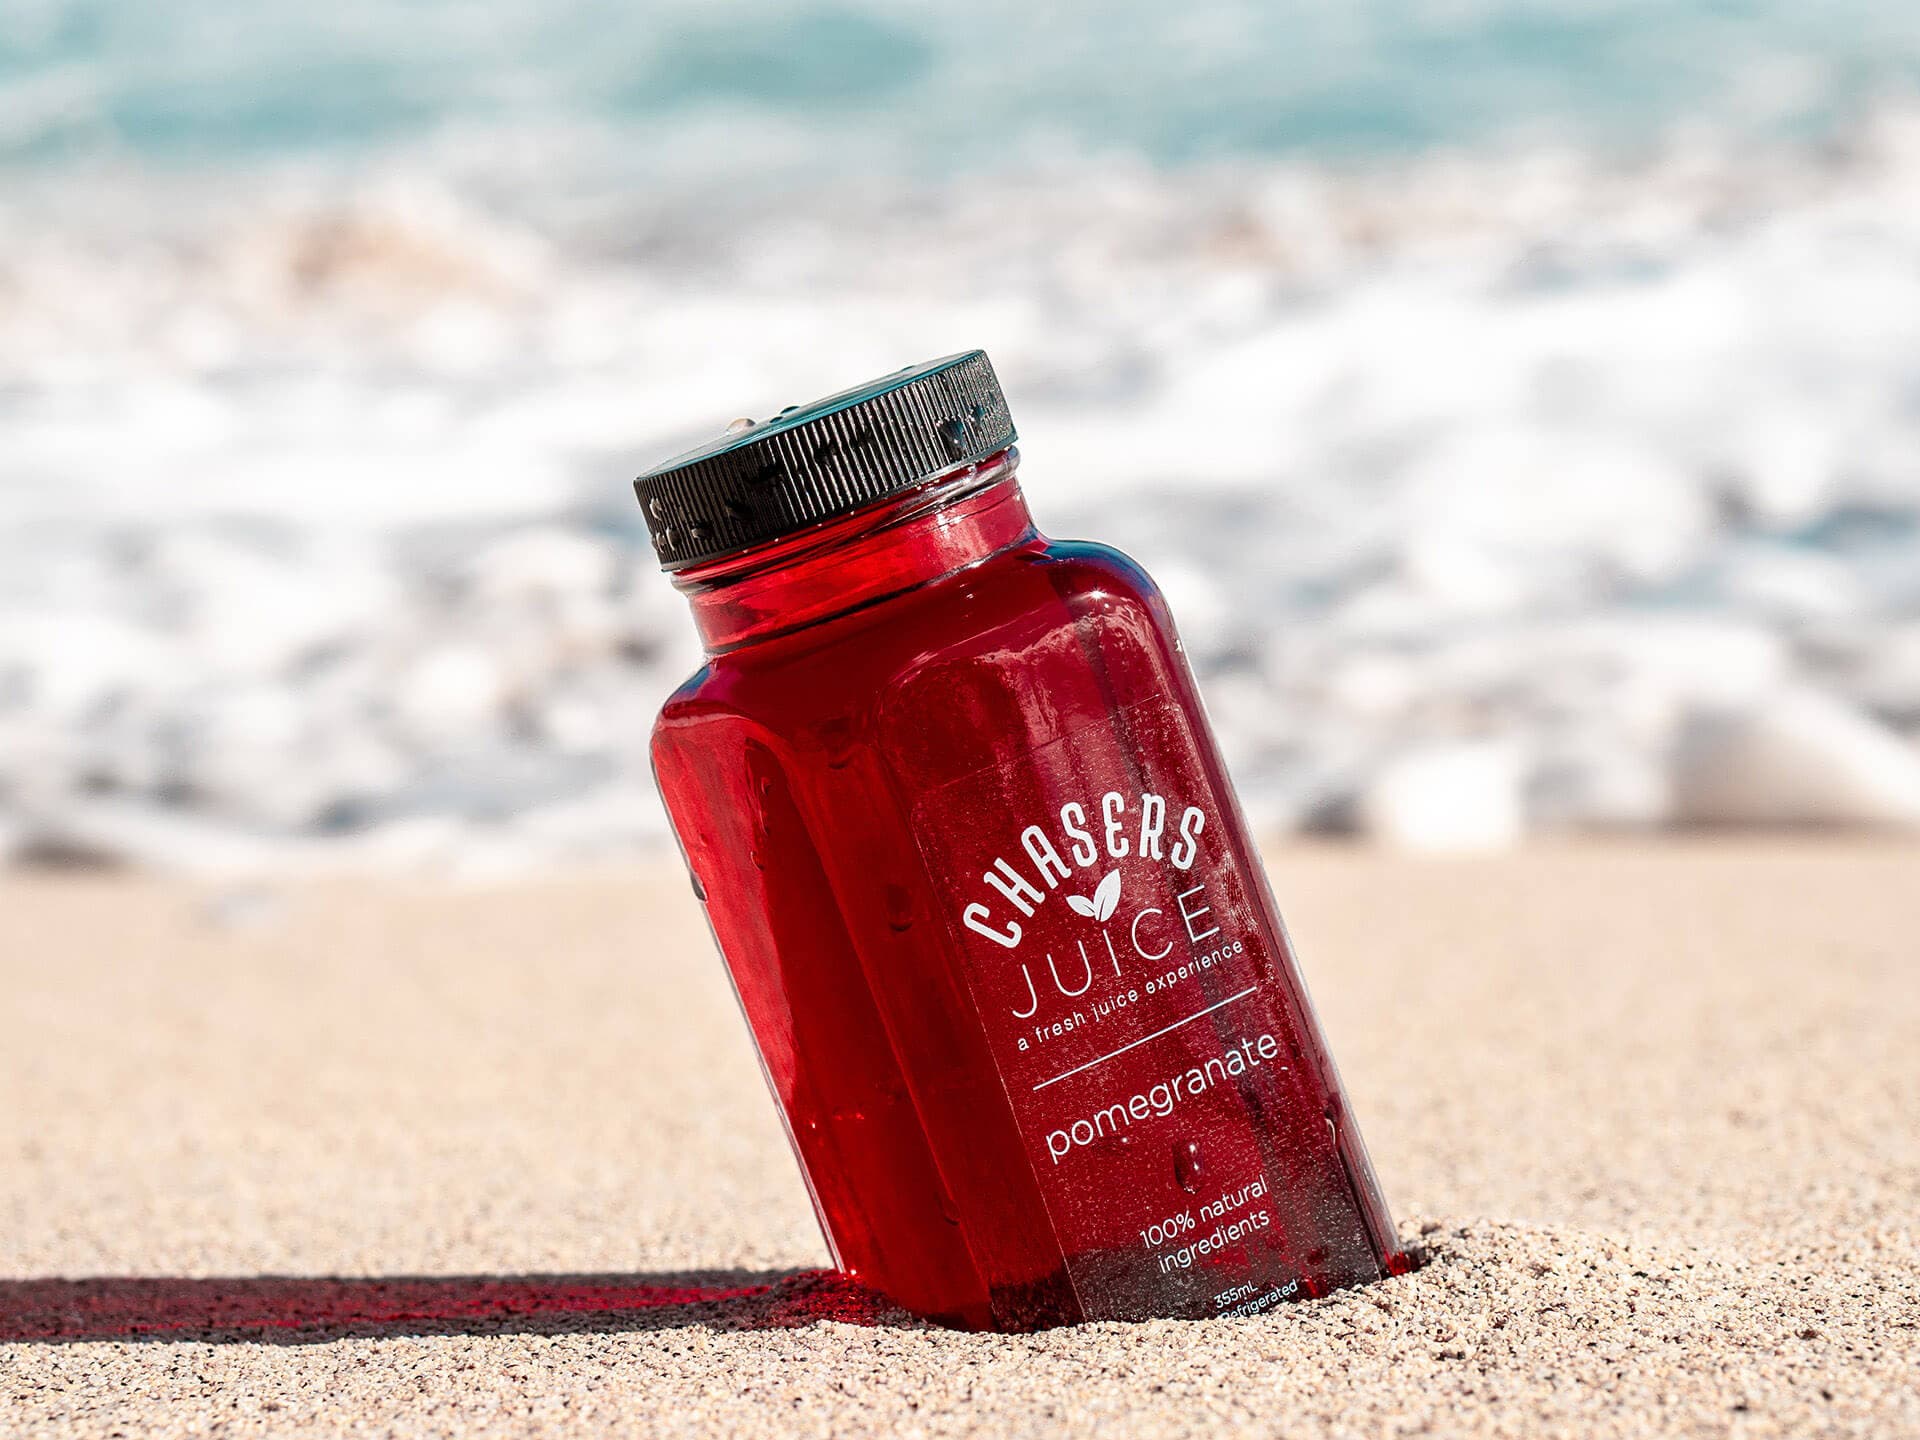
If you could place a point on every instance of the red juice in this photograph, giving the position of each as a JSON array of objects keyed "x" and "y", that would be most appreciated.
[{"x": 949, "y": 796}]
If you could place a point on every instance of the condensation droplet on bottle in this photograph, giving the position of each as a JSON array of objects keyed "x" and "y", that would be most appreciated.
[
  {"x": 836, "y": 737},
  {"x": 953, "y": 437},
  {"x": 1186, "y": 1165},
  {"x": 760, "y": 830},
  {"x": 899, "y": 909},
  {"x": 699, "y": 890},
  {"x": 949, "y": 1211}
]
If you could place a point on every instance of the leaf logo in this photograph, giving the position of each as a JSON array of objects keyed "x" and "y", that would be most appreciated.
[{"x": 1106, "y": 896}]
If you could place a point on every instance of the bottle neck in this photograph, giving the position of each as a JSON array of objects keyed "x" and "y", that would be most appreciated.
[{"x": 953, "y": 520}]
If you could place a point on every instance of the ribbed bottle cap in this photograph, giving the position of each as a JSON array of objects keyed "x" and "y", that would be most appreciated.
[{"x": 814, "y": 462}]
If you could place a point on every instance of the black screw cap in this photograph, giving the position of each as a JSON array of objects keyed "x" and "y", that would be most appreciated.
[{"x": 816, "y": 462}]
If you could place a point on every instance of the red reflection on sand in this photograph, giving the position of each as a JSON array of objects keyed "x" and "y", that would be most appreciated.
[{"x": 292, "y": 1307}]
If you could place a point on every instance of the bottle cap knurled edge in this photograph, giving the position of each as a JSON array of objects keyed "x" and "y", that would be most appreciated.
[{"x": 811, "y": 463}]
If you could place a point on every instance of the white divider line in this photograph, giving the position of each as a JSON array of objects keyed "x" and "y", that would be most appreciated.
[{"x": 1068, "y": 1074}]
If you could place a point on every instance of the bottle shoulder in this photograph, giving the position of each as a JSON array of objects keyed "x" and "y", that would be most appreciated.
[
  {"x": 1089, "y": 567},
  {"x": 1011, "y": 612},
  {"x": 686, "y": 697},
  {"x": 705, "y": 698}
]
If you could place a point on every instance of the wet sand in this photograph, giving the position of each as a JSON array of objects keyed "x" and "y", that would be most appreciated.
[{"x": 413, "y": 1159}]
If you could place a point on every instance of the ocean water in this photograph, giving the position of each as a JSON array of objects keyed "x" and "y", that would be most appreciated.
[
  {"x": 1521, "y": 402},
  {"x": 825, "y": 88}
]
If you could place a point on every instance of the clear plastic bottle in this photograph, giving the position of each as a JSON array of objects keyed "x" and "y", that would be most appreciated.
[{"x": 949, "y": 796}]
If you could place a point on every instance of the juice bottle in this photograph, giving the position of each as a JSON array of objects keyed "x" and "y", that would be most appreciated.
[{"x": 964, "y": 838}]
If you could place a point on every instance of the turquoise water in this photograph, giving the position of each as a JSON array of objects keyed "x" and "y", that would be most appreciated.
[{"x": 759, "y": 87}]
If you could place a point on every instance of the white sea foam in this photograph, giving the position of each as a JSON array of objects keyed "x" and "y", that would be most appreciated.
[{"x": 316, "y": 543}]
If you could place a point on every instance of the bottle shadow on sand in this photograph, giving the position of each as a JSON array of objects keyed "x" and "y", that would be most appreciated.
[{"x": 299, "y": 1310}]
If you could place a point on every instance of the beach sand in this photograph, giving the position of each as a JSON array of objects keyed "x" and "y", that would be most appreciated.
[{"x": 1654, "y": 1107}]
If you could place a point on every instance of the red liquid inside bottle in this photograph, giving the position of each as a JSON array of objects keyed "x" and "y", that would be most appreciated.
[{"x": 947, "y": 791}]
